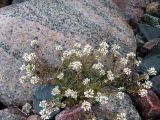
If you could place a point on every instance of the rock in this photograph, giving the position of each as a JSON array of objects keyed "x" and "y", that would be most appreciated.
[
  {"x": 18, "y": 1},
  {"x": 156, "y": 85},
  {"x": 104, "y": 112},
  {"x": 132, "y": 9},
  {"x": 149, "y": 32},
  {"x": 151, "y": 20},
  {"x": 4, "y": 3},
  {"x": 34, "y": 117},
  {"x": 53, "y": 22},
  {"x": 153, "y": 8},
  {"x": 12, "y": 113},
  {"x": 149, "y": 106}
]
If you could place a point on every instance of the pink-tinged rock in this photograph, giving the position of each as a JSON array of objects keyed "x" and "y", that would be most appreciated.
[
  {"x": 12, "y": 113},
  {"x": 132, "y": 9},
  {"x": 149, "y": 106}
]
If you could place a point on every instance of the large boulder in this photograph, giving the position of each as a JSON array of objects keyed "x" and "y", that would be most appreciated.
[{"x": 53, "y": 22}]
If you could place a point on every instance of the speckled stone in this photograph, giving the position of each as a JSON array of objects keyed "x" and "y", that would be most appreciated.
[
  {"x": 104, "y": 112},
  {"x": 12, "y": 113},
  {"x": 53, "y": 22},
  {"x": 18, "y": 1}
]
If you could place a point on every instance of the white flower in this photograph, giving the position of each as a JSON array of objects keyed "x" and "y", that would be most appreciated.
[
  {"x": 43, "y": 104},
  {"x": 59, "y": 48},
  {"x": 147, "y": 85},
  {"x": 34, "y": 79},
  {"x": 45, "y": 113},
  {"x": 30, "y": 57},
  {"x": 76, "y": 65},
  {"x": 124, "y": 61},
  {"x": 103, "y": 51},
  {"x": 60, "y": 76},
  {"x": 138, "y": 62},
  {"x": 98, "y": 66},
  {"x": 110, "y": 75},
  {"x": 101, "y": 99},
  {"x": 121, "y": 88},
  {"x": 86, "y": 106},
  {"x": 103, "y": 44},
  {"x": 30, "y": 68},
  {"x": 127, "y": 71},
  {"x": 121, "y": 116},
  {"x": 152, "y": 71},
  {"x": 23, "y": 79},
  {"x": 102, "y": 72},
  {"x": 77, "y": 46},
  {"x": 55, "y": 91},
  {"x": 143, "y": 92},
  {"x": 131, "y": 55},
  {"x": 22, "y": 67},
  {"x": 146, "y": 76},
  {"x": 56, "y": 109},
  {"x": 115, "y": 47},
  {"x": 87, "y": 50},
  {"x": 86, "y": 81},
  {"x": 34, "y": 43},
  {"x": 71, "y": 93},
  {"x": 120, "y": 95},
  {"x": 89, "y": 93}
]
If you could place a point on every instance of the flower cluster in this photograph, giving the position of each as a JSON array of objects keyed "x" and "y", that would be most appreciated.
[{"x": 83, "y": 73}]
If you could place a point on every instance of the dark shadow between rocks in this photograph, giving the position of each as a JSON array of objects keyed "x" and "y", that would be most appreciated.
[{"x": 2, "y": 106}]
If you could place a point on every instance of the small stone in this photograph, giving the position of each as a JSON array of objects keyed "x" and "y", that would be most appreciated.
[
  {"x": 151, "y": 20},
  {"x": 34, "y": 117},
  {"x": 27, "y": 108},
  {"x": 153, "y": 8},
  {"x": 12, "y": 113},
  {"x": 149, "y": 106}
]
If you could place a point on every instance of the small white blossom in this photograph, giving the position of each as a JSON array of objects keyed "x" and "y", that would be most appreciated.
[
  {"x": 60, "y": 76},
  {"x": 110, "y": 75},
  {"x": 152, "y": 71},
  {"x": 143, "y": 92},
  {"x": 138, "y": 62},
  {"x": 22, "y": 67},
  {"x": 103, "y": 44},
  {"x": 59, "y": 48},
  {"x": 45, "y": 113},
  {"x": 23, "y": 79},
  {"x": 121, "y": 116},
  {"x": 124, "y": 61},
  {"x": 43, "y": 104},
  {"x": 101, "y": 99},
  {"x": 56, "y": 109},
  {"x": 30, "y": 57},
  {"x": 146, "y": 76},
  {"x": 76, "y": 65},
  {"x": 121, "y": 88},
  {"x": 34, "y": 43},
  {"x": 30, "y": 68},
  {"x": 89, "y": 93},
  {"x": 147, "y": 85},
  {"x": 87, "y": 50},
  {"x": 55, "y": 91},
  {"x": 77, "y": 46},
  {"x": 86, "y": 106},
  {"x": 86, "y": 81},
  {"x": 103, "y": 51},
  {"x": 127, "y": 71},
  {"x": 115, "y": 47},
  {"x": 34, "y": 79},
  {"x": 102, "y": 72},
  {"x": 131, "y": 55},
  {"x": 71, "y": 93},
  {"x": 98, "y": 66},
  {"x": 120, "y": 95}
]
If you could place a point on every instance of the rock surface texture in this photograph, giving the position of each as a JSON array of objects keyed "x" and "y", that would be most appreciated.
[
  {"x": 104, "y": 112},
  {"x": 12, "y": 114},
  {"x": 53, "y": 22}
]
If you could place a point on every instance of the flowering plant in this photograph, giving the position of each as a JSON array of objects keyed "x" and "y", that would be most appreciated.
[{"x": 82, "y": 73}]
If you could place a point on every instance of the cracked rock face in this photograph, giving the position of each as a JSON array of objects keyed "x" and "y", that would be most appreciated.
[{"x": 53, "y": 22}]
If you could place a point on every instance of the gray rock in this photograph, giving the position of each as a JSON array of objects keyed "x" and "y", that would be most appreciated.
[
  {"x": 104, "y": 112},
  {"x": 18, "y": 1},
  {"x": 12, "y": 114},
  {"x": 53, "y": 22}
]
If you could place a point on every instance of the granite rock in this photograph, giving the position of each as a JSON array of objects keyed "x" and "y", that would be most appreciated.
[
  {"x": 34, "y": 117},
  {"x": 53, "y": 22},
  {"x": 108, "y": 111},
  {"x": 18, "y": 1},
  {"x": 12, "y": 113}
]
